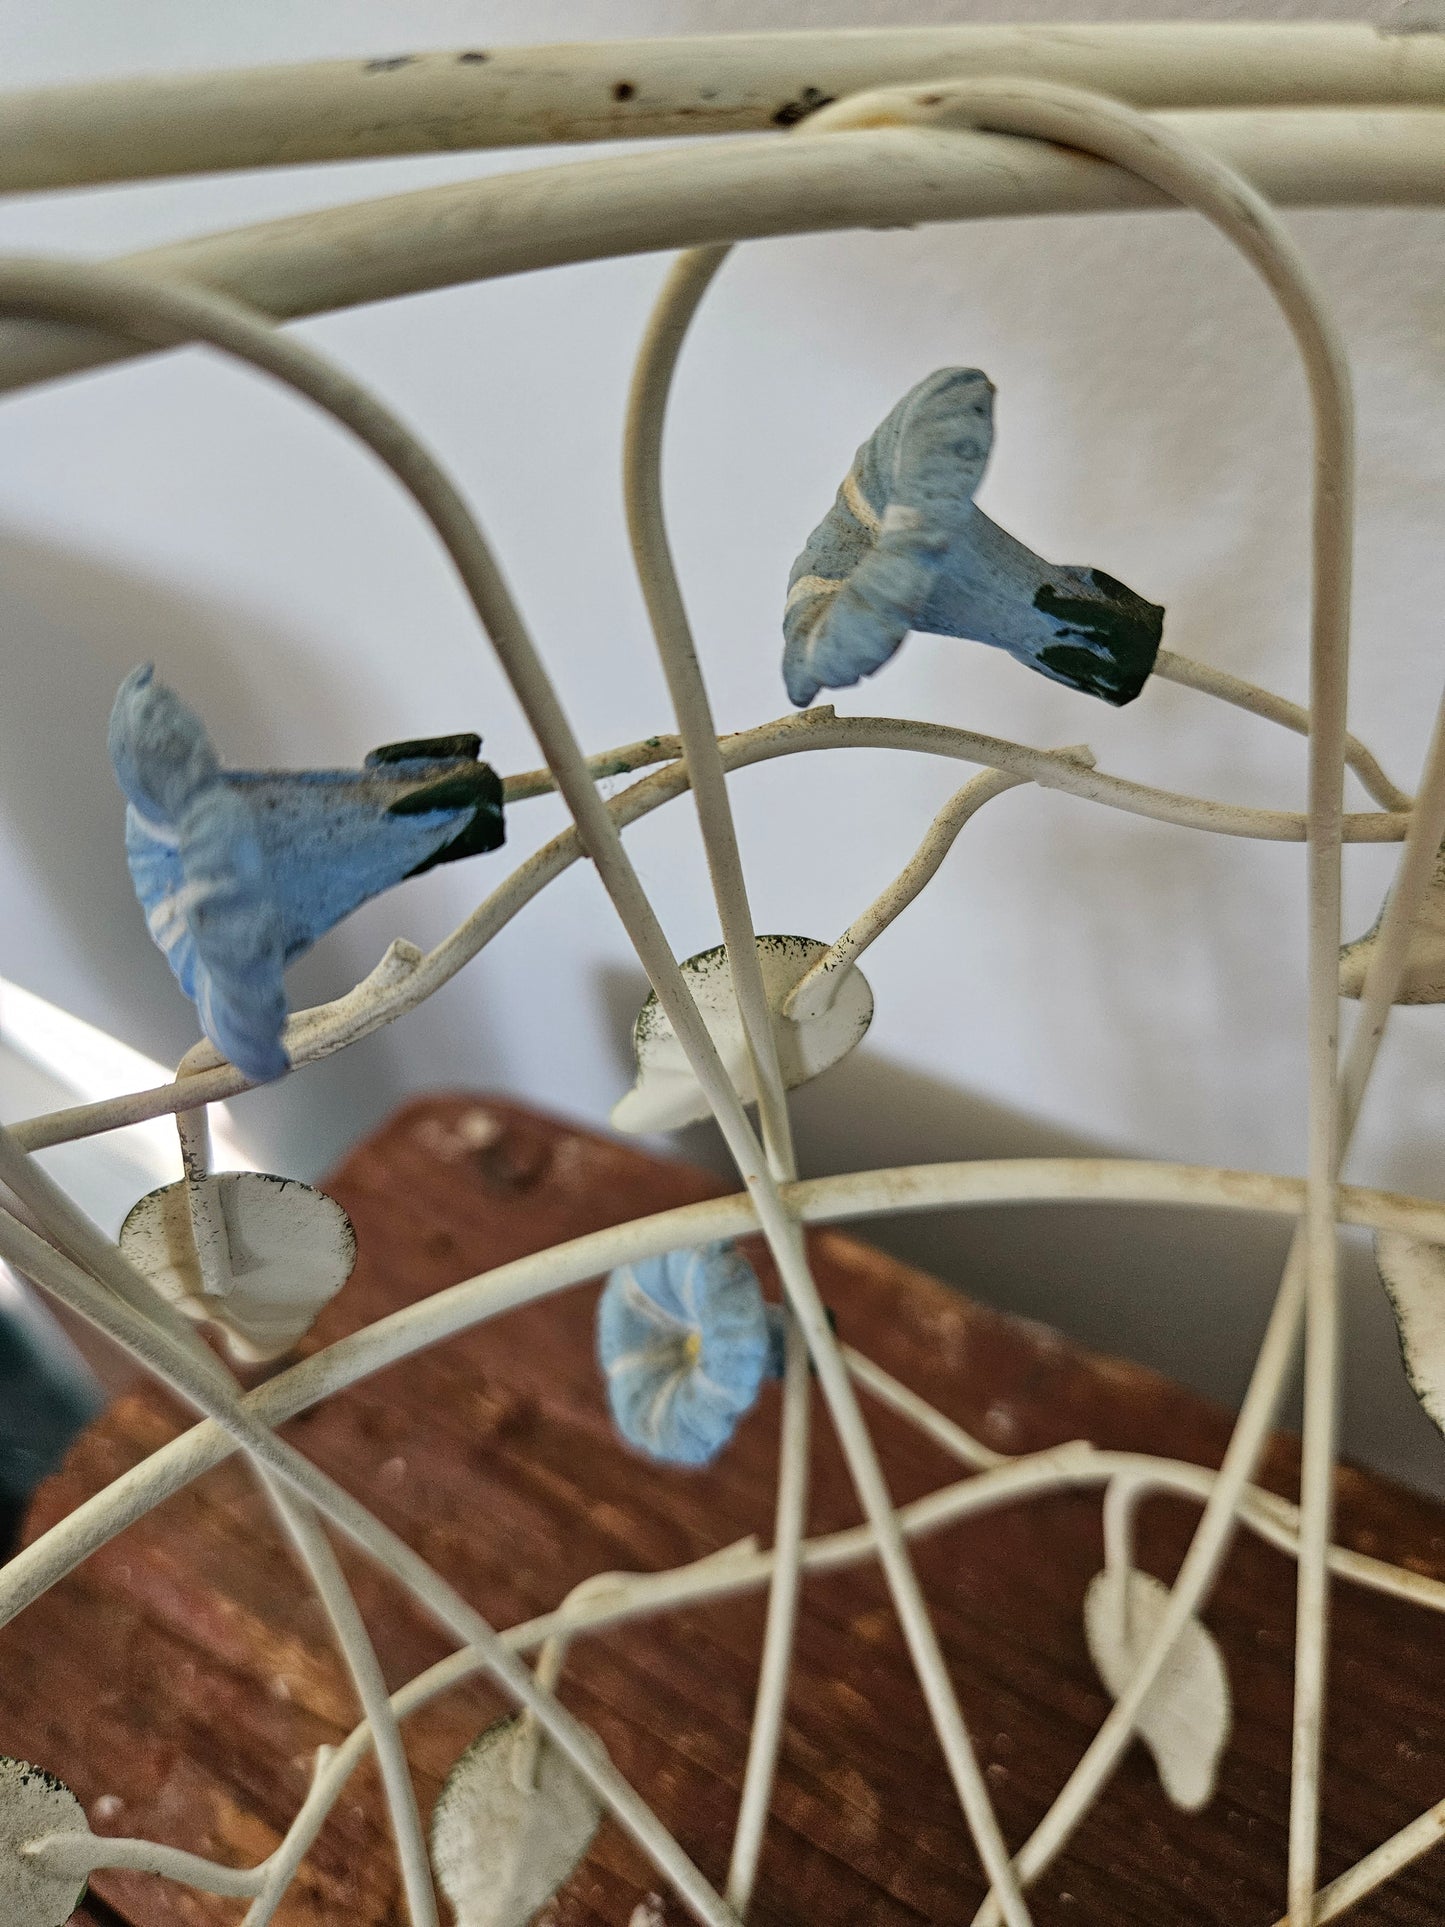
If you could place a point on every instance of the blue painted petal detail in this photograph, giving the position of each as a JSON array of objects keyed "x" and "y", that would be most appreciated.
[
  {"x": 159, "y": 748},
  {"x": 234, "y": 931},
  {"x": 239, "y": 872},
  {"x": 904, "y": 548},
  {"x": 684, "y": 1342},
  {"x": 331, "y": 844}
]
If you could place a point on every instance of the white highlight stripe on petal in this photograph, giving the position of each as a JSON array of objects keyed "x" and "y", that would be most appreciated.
[
  {"x": 163, "y": 833},
  {"x": 662, "y": 1354},
  {"x": 648, "y": 1308},
  {"x": 166, "y": 920},
  {"x": 858, "y": 502},
  {"x": 810, "y": 585}
]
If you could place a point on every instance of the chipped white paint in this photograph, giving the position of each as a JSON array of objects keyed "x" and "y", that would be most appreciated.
[
  {"x": 1185, "y": 1718},
  {"x": 34, "y": 1805},
  {"x": 485, "y": 96},
  {"x": 1424, "y": 979},
  {"x": 666, "y": 1094},
  {"x": 950, "y": 150},
  {"x": 1413, "y": 1274},
  {"x": 277, "y": 1252},
  {"x": 503, "y": 1839}
]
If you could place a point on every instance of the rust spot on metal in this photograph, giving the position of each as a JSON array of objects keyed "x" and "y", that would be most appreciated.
[{"x": 806, "y": 102}]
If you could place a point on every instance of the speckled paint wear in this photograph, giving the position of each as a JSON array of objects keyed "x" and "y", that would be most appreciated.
[
  {"x": 904, "y": 547},
  {"x": 685, "y": 1341},
  {"x": 239, "y": 872}
]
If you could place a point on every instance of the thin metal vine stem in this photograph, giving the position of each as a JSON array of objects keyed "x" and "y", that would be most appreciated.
[
  {"x": 1180, "y": 167},
  {"x": 82, "y": 1854},
  {"x": 652, "y": 379},
  {"x": 61, "y": 1278},
  {"x": 118, "y": 302},
  {"x": 790, "y": 1524},
  {"x": 1070, "y": 1467},
  {"x": 652, "y": 553},
  {"x": 73, "y": 1234},
  {"x": 868, "y": 1194},
  {"x": 1209, "y": 681},
  {"x": 814, "y": 992},
  {"x": 404, "y": 978},
  {"x": 211, "y": 1244}
]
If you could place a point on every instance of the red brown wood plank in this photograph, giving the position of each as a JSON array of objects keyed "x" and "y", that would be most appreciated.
[{"x": 183, "y": 1677}]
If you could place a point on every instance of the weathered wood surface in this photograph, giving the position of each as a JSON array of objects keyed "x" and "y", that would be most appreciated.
[{"x": 181, "y": 1680}]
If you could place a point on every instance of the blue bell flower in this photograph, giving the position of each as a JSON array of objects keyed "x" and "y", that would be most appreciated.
[
  {"x": 903, "y": 547},
  {"x": 685, "y": 1341},
  {"x": 240, "y": 871}
]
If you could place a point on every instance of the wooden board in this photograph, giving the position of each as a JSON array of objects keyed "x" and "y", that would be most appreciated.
[{"x": 182, "y": 1679}]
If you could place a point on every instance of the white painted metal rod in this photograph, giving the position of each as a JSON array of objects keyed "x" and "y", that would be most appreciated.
[
  {"x": 73, "y": 1233},
  {"x": 484, "y": 96},
  {"x": 1209, "y": 681},
  {"x": 395, "y": 987},
  {"x": 836, "y": 1200},
  {"x": 1071, "y": 1467},
  {"x": 74, "y": 1288},
  {"x": 1179, "y": 166},
  {"x": 642, "y": 493},
  {"x": 731, "y": 191},
  {"x": 815, "y": 990},
  {"x": 152, "y": 311},
  {"x": 82, "y": 1854}
]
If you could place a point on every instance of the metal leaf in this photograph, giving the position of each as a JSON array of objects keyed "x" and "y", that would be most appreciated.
[
  {"x": 1413, "y": 1275},
  {"x": 1424, "y": 978},
  {"x": 287, "y": 1250},
  {"x": 1186, "y": 1716},
  {"x": 509, "y": 1826},
  {"x": 666, "y": 1094},
  {"x": 33, "y": 1803}
]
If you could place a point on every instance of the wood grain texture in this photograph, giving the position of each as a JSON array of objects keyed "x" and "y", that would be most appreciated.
[{"x": 183, "y": 1677}]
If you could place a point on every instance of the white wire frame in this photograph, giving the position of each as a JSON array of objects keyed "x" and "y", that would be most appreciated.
[{"x": 1251, "y": 116}]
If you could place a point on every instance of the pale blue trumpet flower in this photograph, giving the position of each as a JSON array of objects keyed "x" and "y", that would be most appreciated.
[
  {"x": 903, "y": 548},
  {"x": 240, "y": 871},
  {"x": 686, "y": 1341}
]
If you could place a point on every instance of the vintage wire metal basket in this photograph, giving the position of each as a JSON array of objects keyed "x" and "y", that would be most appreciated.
[{"x": 850, "y": 129}]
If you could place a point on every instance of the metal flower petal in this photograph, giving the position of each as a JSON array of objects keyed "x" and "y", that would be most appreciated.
[
  {"x": 904, "y": 547},
  {"x": 685, "y": 1341},
  {"x": 666, "y": 1095},
  {"x": 241, "y": 871}
]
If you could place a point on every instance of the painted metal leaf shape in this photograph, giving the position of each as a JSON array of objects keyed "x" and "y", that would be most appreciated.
[
  {"x": 34, "y": 1803},
  {"x": 1424, "y": 978},
  {"x": 1186, "y": 1717},
  {"x": 666, "y": 1094},
  {"x": 501, "y": 1848},
  {"x": 1413, "y": 1275},
  {"x": 289, "y": 1249}
]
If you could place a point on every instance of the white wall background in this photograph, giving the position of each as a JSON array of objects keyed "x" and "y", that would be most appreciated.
[{"x": 1075, "y": 976}]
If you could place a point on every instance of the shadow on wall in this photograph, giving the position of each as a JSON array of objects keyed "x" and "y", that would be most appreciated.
[{"x": 1185, "y": 1291}]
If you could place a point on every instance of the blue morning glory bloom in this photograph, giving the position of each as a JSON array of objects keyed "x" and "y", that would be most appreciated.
[
  {"x": 904, "y": 548},
  {"x": 241, "y": 871},
  {"x": 685, "y": 1341}
]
